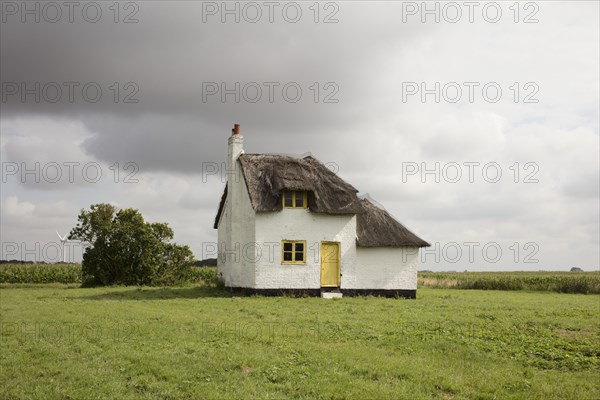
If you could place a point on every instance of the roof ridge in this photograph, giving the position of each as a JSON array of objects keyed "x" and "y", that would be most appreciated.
[
  {"x": 371, "y": 200},
  {"x": 298, "y": 156}
]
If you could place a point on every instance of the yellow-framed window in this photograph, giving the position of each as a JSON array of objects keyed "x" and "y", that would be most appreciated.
[
  {"x": 293, "y": 251},
  {"x": 295, "y": 199}
]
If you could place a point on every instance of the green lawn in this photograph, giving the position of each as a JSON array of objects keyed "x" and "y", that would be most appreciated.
[{"x": 196, "y": 342}]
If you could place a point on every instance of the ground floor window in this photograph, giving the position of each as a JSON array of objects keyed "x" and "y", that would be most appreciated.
[{"x": 293, "y": 252}]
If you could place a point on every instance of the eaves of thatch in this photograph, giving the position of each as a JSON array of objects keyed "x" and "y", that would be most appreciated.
[
  {"x": 267, "y": 175},
  {"x": 221, "y": 206}
]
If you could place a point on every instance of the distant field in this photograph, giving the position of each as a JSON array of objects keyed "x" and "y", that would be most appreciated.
[
  {"x": 199, "y": 342},
  {"x": 71, "y": 273},
  {"x": 562, "y": 282},
  {"x": 40, "y": 273}
]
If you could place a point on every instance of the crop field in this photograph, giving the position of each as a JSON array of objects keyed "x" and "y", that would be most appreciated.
[
  {"x": 40, "y": 273},
  {"x": 562, "y": 282},
  {"x": 71, "y": 273},
  {"x": 64, "y": 342}
]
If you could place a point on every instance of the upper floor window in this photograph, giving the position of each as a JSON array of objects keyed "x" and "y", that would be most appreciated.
[{"x": 295, "y": 199}]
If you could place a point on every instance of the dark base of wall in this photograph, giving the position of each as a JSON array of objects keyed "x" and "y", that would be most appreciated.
[{"x": 407, "y": 294}]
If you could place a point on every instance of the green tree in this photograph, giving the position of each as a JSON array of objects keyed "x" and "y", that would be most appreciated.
[{"x": 126, "y": 250}]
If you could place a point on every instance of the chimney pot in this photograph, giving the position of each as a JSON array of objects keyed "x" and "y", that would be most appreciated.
[{"x": 236, "y": 129}]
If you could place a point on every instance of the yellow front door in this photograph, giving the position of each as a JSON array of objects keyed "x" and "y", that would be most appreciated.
[{"x": 330, "y": 264}]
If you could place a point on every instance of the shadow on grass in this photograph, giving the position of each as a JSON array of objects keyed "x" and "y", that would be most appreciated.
[{"x": 164, "y": 293}]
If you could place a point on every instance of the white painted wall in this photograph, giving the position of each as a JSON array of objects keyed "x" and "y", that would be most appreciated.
[
  {"x": 223, "y": 240},
  {"x": 385, "y": 268},
  {"x": 254, "y": 259},
  {"x": 301, "y": 224},
  {"x": 236, "y": 229}
]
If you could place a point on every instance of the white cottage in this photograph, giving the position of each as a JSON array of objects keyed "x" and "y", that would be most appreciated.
[{"x": 289, "y": 224}]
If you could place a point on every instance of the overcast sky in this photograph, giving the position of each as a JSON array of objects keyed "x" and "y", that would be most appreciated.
[{"x": 501, "y": 100}]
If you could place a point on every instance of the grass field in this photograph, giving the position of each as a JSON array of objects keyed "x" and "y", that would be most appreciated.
[{"x": 198, "y": 342}]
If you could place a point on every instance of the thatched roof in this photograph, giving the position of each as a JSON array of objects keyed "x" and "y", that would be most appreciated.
[
  {"x": 267, "y": 175},
  {"x": 375, "y": 227}
]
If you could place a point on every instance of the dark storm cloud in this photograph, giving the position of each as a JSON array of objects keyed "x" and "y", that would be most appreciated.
[{"x": 168, "y": 61}]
